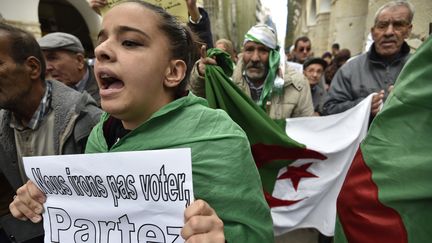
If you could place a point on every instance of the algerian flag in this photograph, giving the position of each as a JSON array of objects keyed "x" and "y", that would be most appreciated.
[
  {"x": 271, "y": 147},
  {"x": 315, "y": 183},
  {"x": 303, "y": 172},
  {"x": 387, "y": 194}
]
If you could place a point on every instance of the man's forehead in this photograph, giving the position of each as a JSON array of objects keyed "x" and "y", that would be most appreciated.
[
  {"x": 57, "y": 52},
  {"x": 5, "y": 43},
  {"x": 304, "y": 43},
  {"x": 5, "y": 37},
  {"x": 50, "y": 52},
  {"x": 314, "y": 66},
  {"x": 255, "y": 44}
]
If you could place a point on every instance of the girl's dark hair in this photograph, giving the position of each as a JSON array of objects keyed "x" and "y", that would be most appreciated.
[
  {"x": 183, "y": 42},
  {"x": 23, "y": 45}
]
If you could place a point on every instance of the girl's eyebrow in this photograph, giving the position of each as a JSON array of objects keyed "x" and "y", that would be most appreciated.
[{"x": 123, "y": 29}]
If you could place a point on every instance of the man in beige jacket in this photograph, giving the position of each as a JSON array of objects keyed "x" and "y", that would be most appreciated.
[{"x": 256, "y": 74}]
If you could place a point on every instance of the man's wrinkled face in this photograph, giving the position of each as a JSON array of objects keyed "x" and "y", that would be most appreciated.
[
  {"x": 390, "y": 30},
  {"x": 256, "y": 61},
  {"x": 313, "y": 73},
  {"x": 64, "y": 66},
  {"x": 15, "y": 84}
]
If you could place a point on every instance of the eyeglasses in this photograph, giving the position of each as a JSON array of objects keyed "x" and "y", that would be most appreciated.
[
  {"x": 302, "y": 49},
  {"x": 397, "y": 25}
]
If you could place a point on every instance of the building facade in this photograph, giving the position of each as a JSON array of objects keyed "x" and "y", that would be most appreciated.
[
  {"x": 325, "y": 22},
  {"x": 231, "y": 19},
  {"x": 44, "y": 16},
  {"x": 348, "y": 22}
]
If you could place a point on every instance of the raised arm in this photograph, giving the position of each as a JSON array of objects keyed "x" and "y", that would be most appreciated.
[{"x": 197, "y": 82}]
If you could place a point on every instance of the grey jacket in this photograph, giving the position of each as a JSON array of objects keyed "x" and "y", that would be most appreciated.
[
  {"x": 365, "y": 74},
  {"x": 318, "y": 95},
  {"x": 92, "y": 87},
  {"x": 75, "y": 116}
]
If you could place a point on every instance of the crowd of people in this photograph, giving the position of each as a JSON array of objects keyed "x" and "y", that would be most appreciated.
[{"x": 148, "y": 81}]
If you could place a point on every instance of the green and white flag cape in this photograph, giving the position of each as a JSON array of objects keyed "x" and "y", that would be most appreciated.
[
  {"x": 387, "y": 194},
  {"x": 301, "y": 173}
]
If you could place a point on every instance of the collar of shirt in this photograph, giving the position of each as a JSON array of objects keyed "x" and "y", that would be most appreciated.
[
  {"x": 374, "y": 56},
  {"x": 251, "y": 84},
  {"x": 80, "y": 86},
  {"x": 39, "y": 114},
  {"x": 254, "y": 90}
]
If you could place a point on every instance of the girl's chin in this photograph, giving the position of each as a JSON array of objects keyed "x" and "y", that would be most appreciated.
[{"x": 113, "y": 107}]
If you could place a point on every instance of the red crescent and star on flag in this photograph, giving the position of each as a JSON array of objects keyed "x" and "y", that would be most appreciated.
[{"x": 264, "y": 155}]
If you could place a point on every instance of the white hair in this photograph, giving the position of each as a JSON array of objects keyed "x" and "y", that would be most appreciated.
[{"x": 396, "y": 4}]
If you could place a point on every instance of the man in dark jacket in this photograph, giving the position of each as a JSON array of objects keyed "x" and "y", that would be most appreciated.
[
  {"x": 65, "y": 62},
  {"x": 313, "y": 69},
  {"x": 378, "y": 69},
  {"x": 37, "y": 117}
]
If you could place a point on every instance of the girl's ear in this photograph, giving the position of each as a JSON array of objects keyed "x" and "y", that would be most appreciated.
[{"x": 175, "y": 73}]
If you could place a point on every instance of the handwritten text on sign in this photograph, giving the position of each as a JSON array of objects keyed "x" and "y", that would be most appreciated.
[{"x": 114, "y": 197}]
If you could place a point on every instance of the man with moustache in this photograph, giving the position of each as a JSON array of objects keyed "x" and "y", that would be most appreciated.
[
  {"x": 256, "y": 74},
  {"x": 37, "y": 117},
  {"x": 378, "y": 69}
]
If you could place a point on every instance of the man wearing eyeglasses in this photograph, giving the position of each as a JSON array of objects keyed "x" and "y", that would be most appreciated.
[
  {"x": 302, "y": 49},
  {"x": 378, "y": 69}
]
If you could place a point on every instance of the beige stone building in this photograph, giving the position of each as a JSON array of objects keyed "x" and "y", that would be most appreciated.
[
  {"x": 348, "y": 22},
  {"x": 44, "y": 16},
  {"x": 231, "y": 19}
]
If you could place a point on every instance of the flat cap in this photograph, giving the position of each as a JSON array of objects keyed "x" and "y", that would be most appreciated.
[
  {"x": 315, "y": 60},
  {"x": 61, "y": 41}
]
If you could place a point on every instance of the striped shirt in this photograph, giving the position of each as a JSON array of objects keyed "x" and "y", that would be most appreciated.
[{"x": 39, "y": 114}]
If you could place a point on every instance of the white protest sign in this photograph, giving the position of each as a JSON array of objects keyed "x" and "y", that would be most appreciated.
[{"x": 114, "y": 197}]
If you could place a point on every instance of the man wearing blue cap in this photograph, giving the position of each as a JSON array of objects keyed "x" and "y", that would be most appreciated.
[
  {"x": 256, "y": 74},
  {"x": 65, "y": 62}
]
